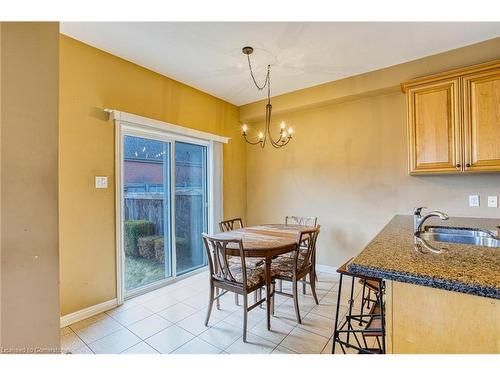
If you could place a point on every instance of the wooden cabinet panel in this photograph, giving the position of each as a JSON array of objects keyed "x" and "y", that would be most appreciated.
[
  {"x": 424, "y": 320},
  {"x": 434, "y": 127},
  {"x": 482, "y": 121}
]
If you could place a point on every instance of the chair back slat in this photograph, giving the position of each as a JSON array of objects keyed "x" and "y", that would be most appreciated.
[
  {"x": 305, "y": 221},
  {"x": 231, "y": 224},
  {"x": 306, "y": 247},
  {"x": 218, "y": 258}
]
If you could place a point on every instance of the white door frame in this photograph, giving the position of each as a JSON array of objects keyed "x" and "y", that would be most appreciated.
[{"x": 129, "y": 124}]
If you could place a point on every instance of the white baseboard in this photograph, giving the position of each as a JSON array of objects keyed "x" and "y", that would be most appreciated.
[
  {"x": 76, "y": 316},
  {"x": 327, "y": 269}
]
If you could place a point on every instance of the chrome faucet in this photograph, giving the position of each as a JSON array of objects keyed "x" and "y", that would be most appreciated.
[{"x": 418, "y": 219}]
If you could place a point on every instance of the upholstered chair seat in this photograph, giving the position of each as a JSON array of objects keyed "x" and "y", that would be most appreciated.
[
  {"x": 251, "y": 262},
  {"x": 255, "y": 275},
  {"x": 283, "y": 265}
]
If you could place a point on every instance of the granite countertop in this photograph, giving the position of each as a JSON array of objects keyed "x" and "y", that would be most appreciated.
[{"x": 463, "y": 268}]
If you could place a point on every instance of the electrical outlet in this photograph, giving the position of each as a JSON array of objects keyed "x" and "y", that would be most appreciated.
[
  {"x": 493, "y": 201},
  {"x": 101, "y": 182},
  {"x": 474, "y": 200}
]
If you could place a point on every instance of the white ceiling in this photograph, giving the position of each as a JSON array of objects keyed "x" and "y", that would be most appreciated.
[{"x": 207, "y": 55}]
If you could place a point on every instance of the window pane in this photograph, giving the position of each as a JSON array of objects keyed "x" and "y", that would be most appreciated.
[
  {"x": 191, "y": 210},
  {"x": 146, "y": 196}
]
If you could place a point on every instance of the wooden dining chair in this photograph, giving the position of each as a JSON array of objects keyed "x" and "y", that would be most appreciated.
[
  {"x": 305, "y": 221},
  {"x": 298, "y": 267},
  {"x": 231, "y": 276},
  {"x": 230, "y": 224}
]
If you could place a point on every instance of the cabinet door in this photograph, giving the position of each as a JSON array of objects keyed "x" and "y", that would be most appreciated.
[
  {"x": 434, "y": 127},
  {"x": 482, "y": 121}
]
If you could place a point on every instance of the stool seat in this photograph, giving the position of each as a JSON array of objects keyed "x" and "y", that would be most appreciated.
[{"x": 369, "y": 283}]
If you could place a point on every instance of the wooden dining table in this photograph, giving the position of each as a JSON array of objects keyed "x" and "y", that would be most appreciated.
[{"x": 265, "y": 241}]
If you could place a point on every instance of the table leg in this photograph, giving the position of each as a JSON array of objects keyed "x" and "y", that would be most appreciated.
[{"x": 268, "y": 291}]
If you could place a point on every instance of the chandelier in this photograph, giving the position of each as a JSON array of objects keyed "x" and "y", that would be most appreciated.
[{"x": 285, "y": 134}]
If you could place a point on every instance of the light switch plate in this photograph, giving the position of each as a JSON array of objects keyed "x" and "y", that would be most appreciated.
[
  {"x": 474, "y": 200},
  {"x": 101, "y": 182},
  {"x": 493, "y": 201}
]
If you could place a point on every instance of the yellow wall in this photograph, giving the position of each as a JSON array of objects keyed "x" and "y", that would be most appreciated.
[
  {"x": 91, "y": 80},
  {"x": 347, "y": 163},
  {"x": 29, "y": 85}
]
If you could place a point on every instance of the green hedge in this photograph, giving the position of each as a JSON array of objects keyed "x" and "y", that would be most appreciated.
[
  {"x": 146, "y": 246},
  {"x": 159, "y": 247},
  {"x": 135, "y": 229}
]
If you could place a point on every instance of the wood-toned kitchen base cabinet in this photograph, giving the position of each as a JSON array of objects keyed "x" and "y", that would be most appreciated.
[{"x": 428, "y": 320}]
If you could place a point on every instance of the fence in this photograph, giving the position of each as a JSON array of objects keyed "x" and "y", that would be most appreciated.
[{"x": 190, "y": 219}]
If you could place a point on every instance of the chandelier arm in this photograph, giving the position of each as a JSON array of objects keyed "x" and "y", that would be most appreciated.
[
  {"x": 286, "y": 142},
  {"x": 269, "y": 109},
  {"x": 282, "y": 141},
  {"x": 274, "y": 142},
  {"x": 250, "y": 142},
  {"x": 279, "y": 145},
  {"x": 266, "y": 130}
]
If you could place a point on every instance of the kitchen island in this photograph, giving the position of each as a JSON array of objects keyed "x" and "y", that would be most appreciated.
[{"x": 436, "y": 303}]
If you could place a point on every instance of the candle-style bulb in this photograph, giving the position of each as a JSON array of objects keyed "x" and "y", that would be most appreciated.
[
  {"x": 283, "y": 125},
  {"x": 284, "y": 134},
  {"x": 261, "y": 135},
  {"x": 290, "y": 131},
  {"x": 245, "y": 128}
]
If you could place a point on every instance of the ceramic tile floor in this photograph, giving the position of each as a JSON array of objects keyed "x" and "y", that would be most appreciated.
[{"x": 171, "y": 320}]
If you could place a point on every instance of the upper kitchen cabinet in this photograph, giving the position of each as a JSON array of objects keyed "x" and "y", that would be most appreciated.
[
  {"x": 481, "y": 92},
  {"x": 454, "y": 121},
  {"x": 434, "y": 127}
]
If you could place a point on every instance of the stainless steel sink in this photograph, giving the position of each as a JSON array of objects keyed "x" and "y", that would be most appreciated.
[{"x": 469, "y": 236}]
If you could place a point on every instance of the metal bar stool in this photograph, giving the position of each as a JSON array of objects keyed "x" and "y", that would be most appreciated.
[{"x": 370, "y": 320}]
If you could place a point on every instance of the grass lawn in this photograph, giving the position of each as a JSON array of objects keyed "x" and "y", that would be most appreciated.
[{"x": 140, "y": 271}]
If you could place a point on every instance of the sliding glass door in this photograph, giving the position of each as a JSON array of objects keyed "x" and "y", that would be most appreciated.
[
  {"x": 165, "y": 208},
  {"x": 146, "y": 211}
]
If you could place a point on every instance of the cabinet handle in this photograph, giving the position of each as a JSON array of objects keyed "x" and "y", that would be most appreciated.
[
  {"x": 458, "y": 165},
  {"x": 467, "y": 165}
]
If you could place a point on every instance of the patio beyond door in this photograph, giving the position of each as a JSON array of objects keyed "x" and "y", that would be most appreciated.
[{"x": 165, "y": 209}]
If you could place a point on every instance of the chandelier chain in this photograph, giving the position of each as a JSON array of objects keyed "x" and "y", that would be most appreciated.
[{"x": 266, "y": 80}]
